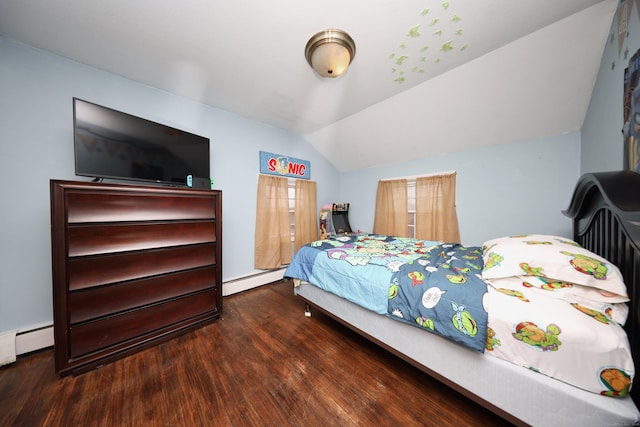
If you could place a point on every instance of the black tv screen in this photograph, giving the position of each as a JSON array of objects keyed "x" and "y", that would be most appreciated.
[{"x": 113, "y": 144}]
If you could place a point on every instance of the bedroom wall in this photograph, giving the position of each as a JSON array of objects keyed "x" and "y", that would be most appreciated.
[
  {"x": 519, "y": 187},
  {"x": 514, "y": 188},
  {"x": 36, "y": 145},
  {"x": 602, "y": 137}
]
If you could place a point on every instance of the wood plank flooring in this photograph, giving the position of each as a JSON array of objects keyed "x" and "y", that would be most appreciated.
[{"x": 263, "y": 363}]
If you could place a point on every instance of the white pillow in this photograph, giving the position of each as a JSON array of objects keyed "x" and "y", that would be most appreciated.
[
  {"x": 551, "y": 257},
  {"x": 612, "y": 306}
]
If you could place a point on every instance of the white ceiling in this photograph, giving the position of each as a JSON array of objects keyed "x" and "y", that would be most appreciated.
[{"x": 515, "y": 69}]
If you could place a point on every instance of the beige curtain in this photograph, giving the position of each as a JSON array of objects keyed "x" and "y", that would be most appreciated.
[
  {"x": 273, "y": 237},
  {"x": 392, "y": 213},
  {"x": 436, "y": 217},
  {"x": 305, "y": 216}
]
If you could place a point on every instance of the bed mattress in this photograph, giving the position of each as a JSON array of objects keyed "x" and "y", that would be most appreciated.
[
  {"x": 489, "y": 380},
  {"x": 439, "y": 288}
]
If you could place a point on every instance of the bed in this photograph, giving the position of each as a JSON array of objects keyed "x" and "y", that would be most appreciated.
[{"x": 605, "y": 210}]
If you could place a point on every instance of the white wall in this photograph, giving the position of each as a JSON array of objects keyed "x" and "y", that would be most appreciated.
[
  {"x": 36, "y": 145},
  {"x": 514, "y": 188}
]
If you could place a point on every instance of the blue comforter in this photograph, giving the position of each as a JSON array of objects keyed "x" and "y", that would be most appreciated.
[
  {"x": 432, "y": 286},
  {"x": 443, "y": 292}
]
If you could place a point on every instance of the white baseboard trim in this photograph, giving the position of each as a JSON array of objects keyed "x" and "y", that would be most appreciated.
[
  {"x": 245, "y": 283},
  {"x": 41, "y": 337},
  {"x": 7, "y": 348}
]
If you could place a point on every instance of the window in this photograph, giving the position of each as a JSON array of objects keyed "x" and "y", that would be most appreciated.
[
  {"x": 411, "y": 205},
  {"x": 291, "y": 187},
  {"x": 427, "y": 203},
  {"x": 285, "y": 219}
]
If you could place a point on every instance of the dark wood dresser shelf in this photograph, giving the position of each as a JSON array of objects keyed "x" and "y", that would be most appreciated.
[{"x": 132, "y": 266}]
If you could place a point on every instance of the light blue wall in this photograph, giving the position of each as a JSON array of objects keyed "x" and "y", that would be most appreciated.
[
  {"x": 36, "y": 145},
  {"x": 602, "y": 139},
  {"x": 515, "y": 188},
  {"x": 519, "y": 187}
]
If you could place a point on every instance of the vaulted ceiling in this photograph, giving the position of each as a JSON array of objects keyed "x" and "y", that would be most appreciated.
[{"x": 429, "y": 76}]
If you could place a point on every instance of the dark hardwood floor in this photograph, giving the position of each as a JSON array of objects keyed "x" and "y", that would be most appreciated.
[{"x": 263, "y": 363}]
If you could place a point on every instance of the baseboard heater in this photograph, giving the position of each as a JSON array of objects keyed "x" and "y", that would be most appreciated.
[
  {"x": 13, "y": 344},
  {"x": 240, "y": 284}
]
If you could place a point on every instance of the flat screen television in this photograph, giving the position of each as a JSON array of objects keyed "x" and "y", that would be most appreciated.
[{"x": 117, "y": 145}]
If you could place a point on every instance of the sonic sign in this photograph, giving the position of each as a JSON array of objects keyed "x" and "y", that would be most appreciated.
[{"x": 275, "y": 164}]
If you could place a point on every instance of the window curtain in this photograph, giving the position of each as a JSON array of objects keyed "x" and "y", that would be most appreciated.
[
  {"x": 305, "y": 214},
  {"x": 273, "y": 237},
  {"x": 392, "y": 212},
  {"x": 436, "y": 216}
]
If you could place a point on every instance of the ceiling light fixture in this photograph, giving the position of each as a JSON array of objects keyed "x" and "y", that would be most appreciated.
[{"x": 329, "y": 52}]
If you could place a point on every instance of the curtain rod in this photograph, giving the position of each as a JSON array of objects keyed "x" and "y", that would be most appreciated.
[
  {"x": 285, "y": 177},
  {"x": 413, "y": 177}
]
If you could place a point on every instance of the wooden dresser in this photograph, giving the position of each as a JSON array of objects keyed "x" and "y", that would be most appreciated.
[{"x": 132, "y": 266}]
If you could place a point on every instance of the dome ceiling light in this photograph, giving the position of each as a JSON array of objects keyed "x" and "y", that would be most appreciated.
[{"x": 329, "y": 52}]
